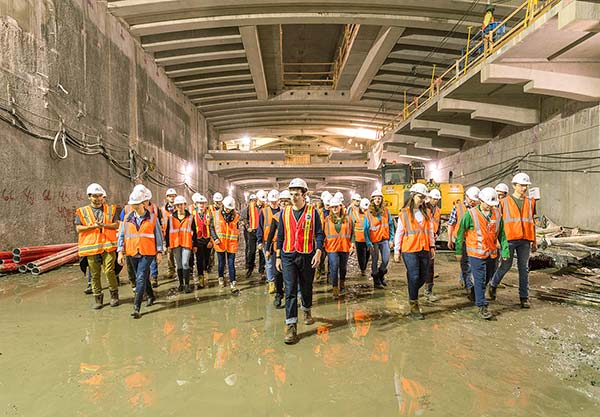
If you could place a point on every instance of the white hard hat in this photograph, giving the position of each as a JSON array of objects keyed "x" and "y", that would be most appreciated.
[
  {"x": 142, "y": 188},
  {"x": 419, "y": 188},
  {"x": 356, "y": 196},
  {"x": 325, "y": 195},
  {"x": 335, "y": 201},
  {"x": 273, "y": 196},
  {"x": 229, "y": 202},
  {"x": 203, "y": 199},
  {"x": 148, "y": 193},
  {"x": 298, "y": 183},
  {"x": 252, "y": 197},
  {"x": 327, "y": 200},
  {"x": 435, "y": 193},
  {"x": 217, "y": 197},
  {"x": 473, "y": 193},
  {"x": 196, "y": 197},
  {"x": 96, "y": 189},
  {"x": 171, "y": 191},
  {"x": 139, "y": 187},
  {"x": 365, "y": 203},
  {"x": 521, "y": 178},
  {"x": 180, "y": 200},
  {"x": 339, "y": 196},
  {"x": 502, "y": 188},
  {"x": 489, "y": 196},
  {"x": 285, "y": 194},
  {"x": 137, "y": 197},
  {"x": 376, "y": 193},
  {"x": 261, "y": 195}
]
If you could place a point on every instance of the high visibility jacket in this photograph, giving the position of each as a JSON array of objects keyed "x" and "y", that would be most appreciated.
[
  {"x": 461, "y": 209},
  {"x": 228, "y": 233},
  {"x": 140, "y": 240},
  {"x": 299, "y": 236},
  {"x": 253, "y": 214},
  {"x": 487, "y": 19},
  {"x": 358, "y": 223},
  {"x": 201, "y": 225},
  {"x": 165, "y": 216},
  {"x": 268, "y": 217},
  {"x": 98, "y": 240},
  {"x": 481, "y": 241},
  {"x": 337, "y": 241},
  {"x": 180, "y": 232},
  {"x": 379, "y": 230},
  {"x": 416, "y": 236},
  {"x": 436, "y": 217},
  {"x": 518, "y": 225}
]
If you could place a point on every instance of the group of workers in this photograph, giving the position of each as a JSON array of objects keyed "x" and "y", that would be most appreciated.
[{"x": 295, "y": 236}]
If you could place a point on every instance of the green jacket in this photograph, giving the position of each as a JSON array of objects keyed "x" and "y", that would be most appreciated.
[{"x": 466, "y": 223}]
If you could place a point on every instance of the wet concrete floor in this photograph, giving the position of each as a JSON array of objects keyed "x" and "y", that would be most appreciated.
[{"x": 212, "y": 353}]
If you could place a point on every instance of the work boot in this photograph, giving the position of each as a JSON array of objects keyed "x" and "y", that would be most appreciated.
[
  {"x": 429, "y": 296},
  {"x": 204, "y": 280},
  {"x": 525, "y": 303},
  {"x": 137, "y": 303},
  {"x": 180, "y": 278},
  {"x": 99, "y": 298},
  {"x": 277, "y": 301},
  {"x": 415, "y": 311},
  {"x": 114, "y": 298},
  {"x": 308, "y": 320},
  {"x": 271, "y": 286},
  {"x": 291, "y": 334},
  {"x": 186, "y": 281},
  {"x": 492, "y": 292},
  {"x": 233, "y": 287},
  {"x": 151, "y": 300},
  {"x": 363, "y": 273},
  {"x": 88, "y": 289},
  {"x": 342, "y": 285},
  {"x": 248, "y": 274},
  {"x": 484, "y": 313},
  {"x": 221, "y": 282},
  {"x": 154, "y": 282},
  {"x": 335, "y": 292},
  {"x": 471, "y": 294}
]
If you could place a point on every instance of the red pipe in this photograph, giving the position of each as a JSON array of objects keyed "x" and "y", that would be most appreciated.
[
  {"x": 23, "y": 259},
  {"x": 55, "y": 264},
  {"x": 52, "y": 257},
  {"x": 34, "y": 250},
  {"x": 8, "y": 267},
  {"x": 6, "y": 255},
  {"x": 23, "y": 268}
]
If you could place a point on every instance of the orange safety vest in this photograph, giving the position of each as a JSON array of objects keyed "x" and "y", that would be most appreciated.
[
  {"x": 95, "y": 241},
  {"x": 299, "y": 235},
  {"x": 268, "y": 217},
  {"x": 436, "y": 217},
  {"x": 416, "y": 236},
  {"x": 180, "y": 232},
  {"x": 358, "y": 223},
  {"x": 518, "y": 225},
  {"x": 337, "y": 241},
  {"x": 253, "y": 214},
  {"x": 461, "y": 209},
  {"x": 228, "y": 233},
  {"x": 140, "y": 240},
  {"x": 481, "y": 241},
  {"x": 201, "y": 224},
  {"x": 379, "y": 230},
  {"x": 165, "y": 215}
]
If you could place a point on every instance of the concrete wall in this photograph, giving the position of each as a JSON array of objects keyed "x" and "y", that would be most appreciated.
[
  {"x": 569, "y": 198},
  {"x": 71, "y": 60}
]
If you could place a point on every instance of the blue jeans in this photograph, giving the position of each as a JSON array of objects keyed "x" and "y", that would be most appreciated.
[
  {"x": 338, "y": 265},
  {"x": 522, "y": 247},
  {"x": 466, "y": 276},
  {"x": 154, "y": 269},
  {"x": 141, "y": 267},
  {"x": 417, "y": 270},
  {"x": 482, "y": 269},
  {"x": 269, "y": 265},
  {"x": 297, "y": 272},
  {"x": 230, "y": 264},
  {"x": 182, "y": 257},
  {"x": 382, "y": 248}
]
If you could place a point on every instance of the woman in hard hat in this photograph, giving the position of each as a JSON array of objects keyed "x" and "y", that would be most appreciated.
[
  {"x": 217, "y": 205},
  {"x": 435, "y": 213},
  {"x": 179, "y": 236},
  {"x": 379, "y": 236},
  {"x": 225, "y": 232},
  {"x": 166, "y": 211},
  {"x": 502, "y": 190},
  {"x": 518, "y": 213},
  {"x": 140, "y": 240},
  {"x": 481, "y": 229},
  {"x": 338, "y": 244},
  {"x": 414, "y": 238},
  {"x": 202, "y": 241},
  {"x": 323, "y": 209},
  {"x": 357, "y": 217},
  {"x": 265, "y": 219}
]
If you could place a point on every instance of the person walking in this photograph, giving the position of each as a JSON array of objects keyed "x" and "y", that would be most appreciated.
[
  {"x": 299, "y": 245},
  {"x": 254, "y": 209},
  {"x": 284, "y": 201},
  {"x": 180, "y": 235},
  {"x": 338, "y": 244},
  {"x": 212, "y": 209},
  {"x": 518, "y": 214},
  {"x": 166, "y": 211},
  {"x": 265, "y": 219},
  {"x": 202, "y": 242},
  {"x": 225, "y": 233},
  {"x": 435, "y": 214},
  {"x": 357, "y": 217},
  {"x": 96, "y": 227},
  {"x": 415, "y": 241},
  {"x": 379, "y": 236},
  {"x": 481, "y": 230}
]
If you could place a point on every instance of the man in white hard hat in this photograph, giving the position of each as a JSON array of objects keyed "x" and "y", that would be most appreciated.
[
  {"x": 458, "y": 211},
  {"x": 244, "y": 222},
  {"x": 167, "y": 210},
  {"x": 265, "y": 220},
  {"x": 201, "y": 244},
  {"x": 299, "y": 244},
  {"x": 225, "y": 233},
  {"x": 254, "y": 208},
  {"x": 502, "y": 190},
  {"x": 518, "y": 213},
  {"x": 323, "y": 210},
  {"x": 96, "y": 226},
  {"x": 217, "y": 205},
  {"x": 285, "y": 200},
  {"x": 481, "y": 231}
]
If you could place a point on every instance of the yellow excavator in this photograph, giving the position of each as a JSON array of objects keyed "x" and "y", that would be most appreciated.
[{"x": 396, "y": 180}]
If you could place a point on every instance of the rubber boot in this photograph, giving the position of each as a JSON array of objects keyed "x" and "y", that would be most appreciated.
[
  {"x": 99, "y": 298},
  {"x": 377, "y": 280},
  {"x": 203, "y": 280},
  {"x": 186, "y": 281},
  {"x": 137, "y": 304},
  {"x": 308, "y": 319},
  {"x": 492, "y": 292},
  {"x": 415, "y": 311},
  {"x": 114, "y": 298},
  {"x": 291, "y": 334},
  {"x": 429, "y": 296},
  {"x": 180, "y": 277}
]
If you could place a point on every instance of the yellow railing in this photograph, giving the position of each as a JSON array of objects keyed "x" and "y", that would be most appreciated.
[
  {"x": 343, "y": 52},
  {"x": 530, "y": 10}
]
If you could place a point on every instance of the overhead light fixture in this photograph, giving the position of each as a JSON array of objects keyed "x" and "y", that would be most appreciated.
[{"x": 246, "y": 140}]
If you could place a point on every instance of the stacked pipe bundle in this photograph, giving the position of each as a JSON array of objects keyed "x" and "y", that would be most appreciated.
[{"x": 38, "y": 259}]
